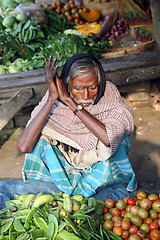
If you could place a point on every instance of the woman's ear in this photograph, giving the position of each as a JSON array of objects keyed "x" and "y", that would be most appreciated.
[{"x": 69, "y": 89}]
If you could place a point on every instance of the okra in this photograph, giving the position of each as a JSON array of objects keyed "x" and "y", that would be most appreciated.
[
  {"x": 6, "y": 237},
  {"x": 18, "y": 226},
  {"x": 84, "y": 233},
  {"x": 40, "y": 223},
  {"x": 41, "y": 200},
  {"x": 67, "y": 204},
  {"x": 36, "y": 233},
  {"x": 80, "y": 216},
  {"x": 62, "y": 226},
  {"x": 14, "y": 202},
  {"x": 71, "y": 224},
  {"x": 22, "y": 197},
  {"x": 68, "y": 236},
  {"x": 78, "y": 198},
  {"x": 6, "y": 226},
  {"x": 23, "y": 236},
  {"x": 52, "y": 219},
  {"x": 92, "y": 202},
  {"x": 28, "y": 219},
  {"x": 22, "y": 213},
  {"x": 114, "y": 236},
  {"x": 51, "y": 228},
  {"x": 26, "y": 202}
]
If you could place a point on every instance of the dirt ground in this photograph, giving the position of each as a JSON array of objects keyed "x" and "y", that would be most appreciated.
[{"x": 144, "y": 153}]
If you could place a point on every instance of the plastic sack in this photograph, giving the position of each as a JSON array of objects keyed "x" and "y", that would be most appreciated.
[
  {"x": 31, "y": 10},
  {"x": 10, "y": 187}
]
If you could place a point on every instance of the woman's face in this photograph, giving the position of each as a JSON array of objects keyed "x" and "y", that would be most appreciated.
[{"x": 84, "y": 89}]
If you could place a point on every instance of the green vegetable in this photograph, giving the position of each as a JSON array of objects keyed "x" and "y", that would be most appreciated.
[
  {"x": 2, "y": 69},
  {"x": 68, "y": 236},
  {"x": 67, "y": 204},
  {"x": 9, "y": 4},
  {"x": 41, "y": 200},
  {"x": 40, "y": 223},
  {"x": 27, "y": 200},
  {"x": 21, "y": 17},
  {"x": 8, "y": 21}
]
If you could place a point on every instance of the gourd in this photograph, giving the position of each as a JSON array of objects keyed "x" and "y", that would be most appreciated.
[
  {"x": 91, "y": 16},
  {"x": 89, "y": 28}
]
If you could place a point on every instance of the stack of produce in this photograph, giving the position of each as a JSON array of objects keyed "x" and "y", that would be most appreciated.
[
  {"x": 52, "y": 216},
  {"x": 133, "y": 218},
  {"x": 61, "y": 216},
  {"x": 33, "y": 37}
]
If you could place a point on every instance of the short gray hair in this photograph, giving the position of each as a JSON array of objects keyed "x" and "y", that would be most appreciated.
[{"x": 84, "y": 66}]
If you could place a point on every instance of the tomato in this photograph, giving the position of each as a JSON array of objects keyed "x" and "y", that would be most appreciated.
[
  {"x": 156, "y": 206},
  {"x": 134, "y": 237},
  {"x": 159, "y": 215},
  {"x": 71, "y": 2},
  {"x": 115, "y": 211},
  {"x": 116, "y": 218},
  {"x": 134, "y": 210},
  {"x": 70, "y": 18},
  {"x": 58, "y": 3},
  {"x": 105, "y": 210},
  {"x": 128, "y": 215},
  {"x": 109, "y": 203},
  {"x": 121, "y": 204},
  {"x": 143, "y": 213},
  {"x": 153, "y": 197},
  {"x": 145, "y": 227},
  {"x": 125, "y": 234},
  {"x": 146, "y": 203},
  {"x": 131, "y": 201},
  {"x": 122, "y": 214},
  {"x": 141, "y": 195},
  {"x": 80, "y": 5},
  {"x": 125, "y": 224},
  {"x": 155, "y": 235},
  {"x": 133, "y": 229},
  {"x": 137, "y": 220},
  {"x": 74, "y": 10},
  {"x": 128, "y": 208},
  {"x": 153, "y": 214},
  {"x": 125, "y": 199},
  {"x": 148, "y": 220},
  {"x": 107, "y": 216},
  {"x": 118, "y": 231},
  {"x": 153, "y": 226},
  {"x": 108, "y": 225},
  {"x": 66, "y": 7},
  {"x": 141, "y": 233},
  {"x": 117, "y": 223}
]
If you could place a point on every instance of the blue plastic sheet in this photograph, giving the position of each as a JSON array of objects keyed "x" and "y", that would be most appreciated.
[{"x": 8, "y": 188}]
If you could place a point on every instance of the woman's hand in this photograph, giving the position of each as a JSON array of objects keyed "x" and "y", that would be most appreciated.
[{"x": 51, "y": 73}]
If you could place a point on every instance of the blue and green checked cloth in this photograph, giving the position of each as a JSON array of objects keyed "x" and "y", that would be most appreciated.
[{"x": 47, "y": 163}]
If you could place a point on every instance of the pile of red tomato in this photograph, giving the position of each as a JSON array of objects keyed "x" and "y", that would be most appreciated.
[
  {"x": 68, "y": 10},
  {"x": 133, "y": 218}
]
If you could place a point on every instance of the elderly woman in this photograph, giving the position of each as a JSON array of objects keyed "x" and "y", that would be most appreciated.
[{"x": 77, "y": 136}]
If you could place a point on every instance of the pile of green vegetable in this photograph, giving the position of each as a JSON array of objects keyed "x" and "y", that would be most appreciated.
[
  {"x": 53, "y": 216},
  {"x": 32, "y": 42}
]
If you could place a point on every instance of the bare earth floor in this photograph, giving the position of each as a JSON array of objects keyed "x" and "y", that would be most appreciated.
[{"x": 144, "y": 153}]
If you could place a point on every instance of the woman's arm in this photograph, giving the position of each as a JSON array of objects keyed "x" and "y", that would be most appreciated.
[{"x": 32, "y": 132}]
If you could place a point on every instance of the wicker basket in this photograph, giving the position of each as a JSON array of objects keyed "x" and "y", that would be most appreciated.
[
  {"x": 104, "y": 6},
  {"x": 124, "y": 51}
]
